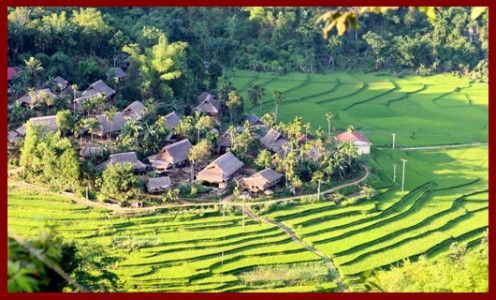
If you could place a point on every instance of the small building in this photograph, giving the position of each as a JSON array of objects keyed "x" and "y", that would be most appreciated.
[
  {"x": 99, "y": 87},
  {"x": 361, "y": 143},
  {"x": 274, "y": 140},
  {"x": 204, "y": 96},
  {"x": 121, "y": 158},
  {"x": 226, "y": 139},
  {"x": 135, "y": 110},
  {"x": 171, "y": 156},
  {"x": 91, "y": 152},
  {"x": 30, "y": 99},
  {"x": 221, "y": 170},
  {"x": 254, "y": 120},
  {"x": 50, "y": 122},
  {"x": 60, "y": 83},
  {"x": 172, "y": 120},
  {"x": 118, "y": 73},
  {"x": 13, "y": 137},
  {"x": 259, "y": 182},
  {"x": 158, "y": 185},
  {"x": 208, "y": 105},
  {"x": 78, "y": 102},
  {"x": 11, "y": 72},
  {"x": 110, "y": 126}
]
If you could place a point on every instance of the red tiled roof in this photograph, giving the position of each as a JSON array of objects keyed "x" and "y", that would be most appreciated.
[
  {"x": 354, "y": 136},
  {"x": 10, "y": 73}
]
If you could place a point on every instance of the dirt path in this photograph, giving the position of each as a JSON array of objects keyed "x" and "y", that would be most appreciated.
[
  {"x": 438, "y": 147},
  {"x": 333, "y": 271}
]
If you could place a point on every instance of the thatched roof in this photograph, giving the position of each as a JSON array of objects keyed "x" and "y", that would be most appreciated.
[
  {"x": 221, "y": 169},
  {"x": 254, "y": 120},
  {"x": 13, "y": 136},
  {"x": 204, "y": 96},
  {"x": 225, "y": 140},
  {"x": 61, "y": 83},
  {"x": 117, "y": 72},
  {"x": 113, "y": 126},
  {"x": 21, "y": 130},
  {"x": 209, "y": 105},
  {"x": 49, "y": 121},
  {"x": 172, "y": 120},
  {"x": 92, "y": 151},
  {"x": 122, "y": 158},
  {"x": 171, "y": 154},
  {"x": 273, "y": 140},
  {"x": 99, "y": 87},
  {"x": 134, "y": 110},
  {"x": 263, "y": 179},
  {"x": 158, "y": 184},
  {"x": 79, "y": 101},
  {"x": 35, "y": 95}
]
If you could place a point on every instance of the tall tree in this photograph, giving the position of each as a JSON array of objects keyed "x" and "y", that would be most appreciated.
[{"x": 277, "y": 95}]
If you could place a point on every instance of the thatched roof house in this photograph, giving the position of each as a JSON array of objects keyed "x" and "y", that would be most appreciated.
[
  {"x": 13, "y": 137},
  {"x": 172, "y": 120},
  {"x": 261, "y": 181},
  {"x": 254, "y": 120},
  {"x": 117, "y": 72},
  {"x": 225, "y": 140},
  {"x": 209, "y": 105},
  {"x": 204, "y": 96},
  {"x": 50, "y": 122},
  {"x": 110, "y": 126},
  {"x": 79, "y": 101},
  {"x": 91, "y": 151},
  {"x": 135, "y": 110},
  {"x": 221, "y": 170},
  {"x": 60, "y": 83},
  {"x": 170, "y": 156},
  {"x": 36, "y": 96},
  {"x": 122, "y": 158},
  {"x": 21, "y": 130},
  {"x": 99, "y": 87},
  {"x": 274, "y": 140},
  {"x": 158, "y": 185}
]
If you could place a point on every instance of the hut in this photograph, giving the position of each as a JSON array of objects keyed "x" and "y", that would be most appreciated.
[
  {"x": 172, "y": 120},
  {"x": 121, "y": 158},
  {"x": 13, "y": 137},
  {"x": 110, "y": 126},
  {"x": 135, "y": 110},
  {"x": 118, "y": 73},
  {"x": 361, "y": 143},
  {"x": 221, "y": 170},
  {"x": 208, "y": 105},
  {"x": 226, "y": 139},
  {"x": 78, "y": 102},
  {"x": 259, "y": 182},
  {"x": 274, "y": 140},
  {"x": 50, "y": 122},
  {"x": 99, "y": 87},
  {"x": 254, "y": 120},
  {"x": 30, "y": 99},
  {"x": 172, "y": 155},
  {"x": 158, "y": 185},
  {"x": 60, "y": 83}
]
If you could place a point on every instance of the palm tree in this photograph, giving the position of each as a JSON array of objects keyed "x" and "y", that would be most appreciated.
[
  {"x": 256, "y": 94},
  {"x": 329, "y": 116},
  {"x": 350, "y": 130},
  {"x": 33, "y": 68},
  {"x": 109, "y": 116},
  {"x": 93, "y": 126},
  {"x": 49, "y": 101},
  {"x": 277, "y": 95},
  {"x": 74, "y": 88}
]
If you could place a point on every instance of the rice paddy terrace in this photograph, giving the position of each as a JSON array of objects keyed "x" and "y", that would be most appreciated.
[{"x": 199, "y": 249}]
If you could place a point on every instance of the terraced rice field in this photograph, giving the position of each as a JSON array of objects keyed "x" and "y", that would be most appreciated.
[
  {"x": 445, "y": 197},
  {"x": 422, "y": 111}
]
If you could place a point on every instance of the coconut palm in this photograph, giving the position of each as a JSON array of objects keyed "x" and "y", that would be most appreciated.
[
  {"x": 329, "y": 116},
  {"x": 277, "y": 95},
  {"x": 109, "y": 116},
  {"x": 32, "y": 68}
]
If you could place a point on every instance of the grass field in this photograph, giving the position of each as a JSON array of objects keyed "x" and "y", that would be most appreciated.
[
  {"x": 423, "y": 111},
  {"x": 445, "y": 197}
]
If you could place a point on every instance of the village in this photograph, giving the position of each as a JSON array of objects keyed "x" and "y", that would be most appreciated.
[{"x": 254, "y": 157}]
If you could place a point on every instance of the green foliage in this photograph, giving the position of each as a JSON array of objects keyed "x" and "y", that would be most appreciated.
[
  {"x": 264, "y": 159},
  {"x": 119, "y": 182},
  {"x": 65, "y": 121}
]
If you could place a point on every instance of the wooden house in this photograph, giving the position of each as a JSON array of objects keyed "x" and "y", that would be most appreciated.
[
  {"x": 172, "y": 120},
  {"x": 254, "y": 120},
  {"x": 135, "y": 110},
  {"x": 30, "y": 99},
  {"x": 208, "y": 105},
  {"x": 121, "y": 158},
  {"x": 118, "y": 73},
  {"x": 274, "y": 140},
  {"x": 99, "y": 87},
  {"x": 221, "y": 170},
  {"x": 110, "y": 126},
  {"x": 259, "y": 182},
  {"x": 171, "y": 156},
  {"x": 158, "y": 185}
]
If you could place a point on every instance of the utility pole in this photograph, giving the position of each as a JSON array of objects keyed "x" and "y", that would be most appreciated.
[
  {"x": 403, "y": 177},
  {"x": 318, "y": 190},
  {"x": 394, "y": 172},
  {"x": 243, "y": 210},
  {"x": 86, "y": 196},
  {"x": 394, "y": 138}
]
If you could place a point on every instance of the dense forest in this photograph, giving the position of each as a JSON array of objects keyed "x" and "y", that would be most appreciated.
[{"x": 189, "y": 48}]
